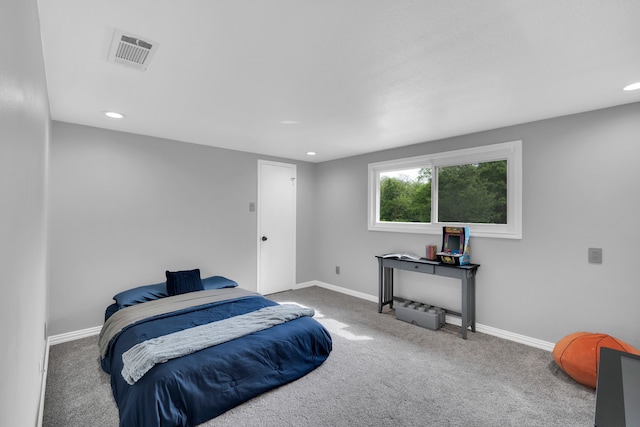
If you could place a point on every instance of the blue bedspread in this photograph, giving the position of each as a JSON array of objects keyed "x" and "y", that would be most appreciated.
[{"x": 193, "y": 389}]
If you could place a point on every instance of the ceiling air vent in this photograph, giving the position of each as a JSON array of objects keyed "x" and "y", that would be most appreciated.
[{"x": 130, "y": 50}]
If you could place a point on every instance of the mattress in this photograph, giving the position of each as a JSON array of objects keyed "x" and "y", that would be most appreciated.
[{"x": 192, "y": 389}]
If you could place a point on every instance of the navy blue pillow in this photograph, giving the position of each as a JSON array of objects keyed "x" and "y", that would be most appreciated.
[
  {"x": 218, "y": 282},
  {"x": 159, "y": 290},
  {"x": 181, "y": 282},
  {"x": 141, "y": 294}
]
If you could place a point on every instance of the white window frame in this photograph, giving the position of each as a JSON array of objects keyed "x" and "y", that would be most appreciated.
[{"x": 509, "y": 151}]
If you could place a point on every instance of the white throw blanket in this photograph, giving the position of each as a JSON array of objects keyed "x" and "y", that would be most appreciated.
[{"x": 143, "y": 356}]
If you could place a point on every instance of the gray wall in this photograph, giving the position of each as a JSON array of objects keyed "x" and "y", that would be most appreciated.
[
  {"x": 125, "y": 208},
  {"x": 24, "y": 135},
  {"x": 580, "y": 188}
]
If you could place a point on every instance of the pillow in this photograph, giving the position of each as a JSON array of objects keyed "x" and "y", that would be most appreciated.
[
  {"x": 218, "y": 282},
  {"x": 159, "y": 290},
  {"x": 578, "y": 354},
  {"x": 181, "y": 282},
  {"x": 141, "y": 294}
]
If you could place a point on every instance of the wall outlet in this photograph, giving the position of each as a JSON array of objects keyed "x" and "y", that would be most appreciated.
[
  {"x": 337, "y": 269},
  {"x": 252, "y": 206},
  {"x": 595, "y": 255}
]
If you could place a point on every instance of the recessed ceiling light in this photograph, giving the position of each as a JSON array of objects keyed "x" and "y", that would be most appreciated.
[
  {"x": 633, "y": 86},
  {"x": 114, "y": 115},
  {"x": 289, "y": 122},
  {"x": 311, "y": 153}
]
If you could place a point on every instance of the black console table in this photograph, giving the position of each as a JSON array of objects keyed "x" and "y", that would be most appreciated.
[{"x": 466, "y": 274}]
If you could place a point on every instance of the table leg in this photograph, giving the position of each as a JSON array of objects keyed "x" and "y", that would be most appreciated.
[
  {"x": 380, "y": 285},
  {"x": 472, "y": 302},
  {"x": 465, "y": 307},
  {"x": 390, "y": 287}
]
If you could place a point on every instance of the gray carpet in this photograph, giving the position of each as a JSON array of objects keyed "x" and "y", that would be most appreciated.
[{"x": 382, "y": 372}]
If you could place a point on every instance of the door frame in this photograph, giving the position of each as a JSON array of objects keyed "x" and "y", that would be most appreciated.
[{"x": 259, "y": 211}]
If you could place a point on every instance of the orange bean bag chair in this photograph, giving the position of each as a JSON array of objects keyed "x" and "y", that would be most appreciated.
[{"x": 578, "y": 354}]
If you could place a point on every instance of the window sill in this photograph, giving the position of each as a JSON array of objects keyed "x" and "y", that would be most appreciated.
[{"x": 476, "y": 230}]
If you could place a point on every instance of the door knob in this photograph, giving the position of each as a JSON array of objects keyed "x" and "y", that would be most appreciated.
[{"x": 264, "y": 238}]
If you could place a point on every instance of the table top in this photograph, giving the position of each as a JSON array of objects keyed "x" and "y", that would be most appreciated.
[{"x": 426, "y": 261}]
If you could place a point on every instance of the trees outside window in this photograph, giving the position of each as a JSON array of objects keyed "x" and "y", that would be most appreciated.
[
  {"x": 480, "y": 188},
  {"x": 475, "y": 193},
  {"x": 406, "y": 198}
]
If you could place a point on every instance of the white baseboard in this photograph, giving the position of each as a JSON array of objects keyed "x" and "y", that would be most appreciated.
[
  {"x": 522, "y": 339},
  {"x": 454, "y": 320},
  {"x": 74, "y": 335},
  {"x": 43, "y": 382},
  {"x": 58, "y": 339},
  {"x": 340, "y": 289}
]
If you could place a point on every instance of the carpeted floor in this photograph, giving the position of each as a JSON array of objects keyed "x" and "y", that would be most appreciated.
[{"x": 382, "y": 372}]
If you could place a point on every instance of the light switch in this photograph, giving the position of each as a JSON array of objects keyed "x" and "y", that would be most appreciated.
[{"x": 595, "y": 255}]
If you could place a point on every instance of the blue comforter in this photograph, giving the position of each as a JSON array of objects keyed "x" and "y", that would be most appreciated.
[{"x": 193, "y": 389}]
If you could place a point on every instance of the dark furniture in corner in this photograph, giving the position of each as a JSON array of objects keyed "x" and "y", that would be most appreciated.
[{"x": 465, "y": 273}]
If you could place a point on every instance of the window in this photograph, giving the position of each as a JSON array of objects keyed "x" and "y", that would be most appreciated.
[{"x": 477, "y": 187}]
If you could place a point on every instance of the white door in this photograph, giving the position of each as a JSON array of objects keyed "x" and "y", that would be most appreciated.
[{"x": 276, "y": 226}]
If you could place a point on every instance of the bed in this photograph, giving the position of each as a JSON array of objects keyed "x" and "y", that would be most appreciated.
[{"x": 203, "y": 380}]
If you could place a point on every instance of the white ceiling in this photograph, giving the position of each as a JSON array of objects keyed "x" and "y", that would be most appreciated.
[{"x": 357, "y": 75}]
